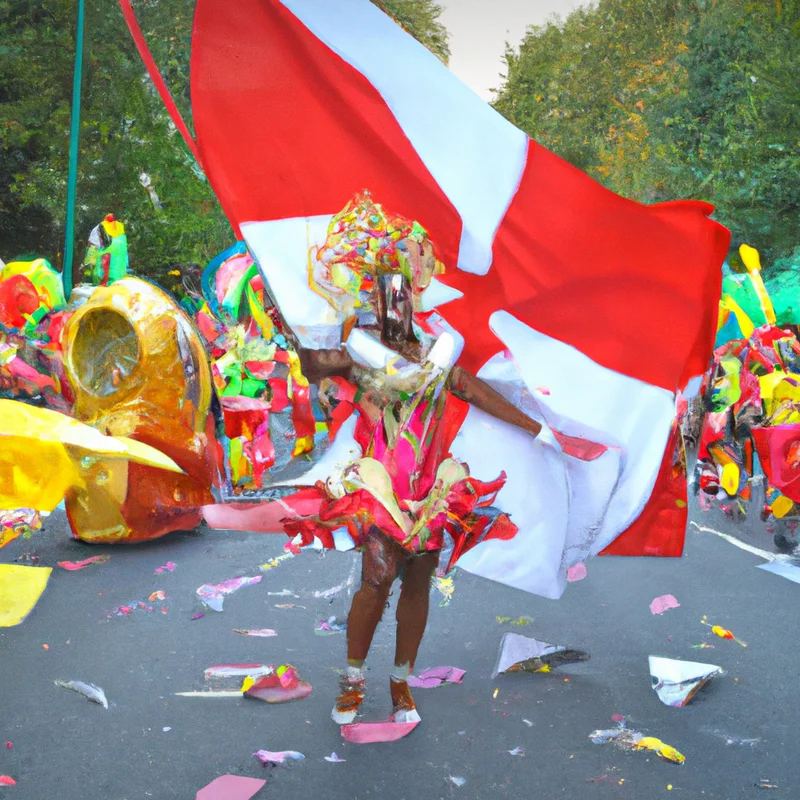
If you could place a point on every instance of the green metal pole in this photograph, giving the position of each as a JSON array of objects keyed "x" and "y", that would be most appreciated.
[{"x": 74, "y": 136}]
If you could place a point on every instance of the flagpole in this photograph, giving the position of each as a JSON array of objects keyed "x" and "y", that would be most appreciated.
[{"x": 74, "y": 135}]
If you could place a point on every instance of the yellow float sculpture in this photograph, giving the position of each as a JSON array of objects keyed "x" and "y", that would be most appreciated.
[{"x": 139, "y": 371}]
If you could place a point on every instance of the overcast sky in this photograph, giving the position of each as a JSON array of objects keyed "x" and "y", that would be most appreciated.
[{"x": 480, "y": 28}]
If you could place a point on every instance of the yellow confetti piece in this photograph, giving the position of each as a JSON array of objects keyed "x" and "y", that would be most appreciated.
[
  {"x": 660, "y": 748},
  {"x": 446, "y": 588},
  {"x": 544, "y": 668},
  {"x": 669, "y": 787},
  {"x": 247, "y": 683},
  {"x": 496, "y": 692}
]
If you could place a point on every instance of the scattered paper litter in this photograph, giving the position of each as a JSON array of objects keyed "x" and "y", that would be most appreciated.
[
  {"x": 663, "y": 603},
  {"x": 238, "y": 671},
  {"x": 677, "y": 682},
  {"x": 723, "y": 633},
  {"x": 334, "y": 759},
  {"x": 519, "y": 621},
  {"x": 373, "y": 732},
  {"x": 213, "y": 594},
  {"x": 525, "y": 654},
  {"x": 256, "y": 632},
  {"x": 72, "y": 566},
  {"x": 326, "y": 627},
  {"x": 783, "y": 568},
  {"x": 94, "y": 694},
  {"x": 577, "y": 572},
  {"x": 7, "y": 780},
  {"x": 282, "y": 685},
  {"x": 634, "y": 740},
  {"x": 436, "y": 676},
  {"x": 280, "y": 757},
  {"x": 231, "y": 787},
  {"x": 517, "y": 751},
  {"x": 457, "y": 780},
  {"x": 168, "y": 567}
]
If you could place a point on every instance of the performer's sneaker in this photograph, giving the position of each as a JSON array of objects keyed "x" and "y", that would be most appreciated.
[
  {"x": 403, "y": 707},
  {"x": 348, "y": 703}
]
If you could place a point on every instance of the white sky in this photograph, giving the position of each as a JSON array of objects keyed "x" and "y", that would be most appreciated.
[{"x": 480, "y": 28}]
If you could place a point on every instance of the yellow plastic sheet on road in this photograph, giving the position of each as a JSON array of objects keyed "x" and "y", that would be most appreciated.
[{"x": 20, "y": 590}]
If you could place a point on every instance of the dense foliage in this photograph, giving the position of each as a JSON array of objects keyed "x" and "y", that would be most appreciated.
[
  {"x": 660, "y": 99},
  {"x": 656, "y": 98},
  {"x": 125, "y": 131}
]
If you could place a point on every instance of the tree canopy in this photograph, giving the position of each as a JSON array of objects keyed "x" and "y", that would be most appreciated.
[
  {"x": 665, "y": 99},
  {"x": 132, "y": 161},
  {"x": 657, "y": 99}
]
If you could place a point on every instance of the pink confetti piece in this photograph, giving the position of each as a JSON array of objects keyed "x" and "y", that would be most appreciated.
[
  {"x": 168, "y": 567},
  {"x": 7, "y": 780},
  {"x": 198, "y": 616},
  {"x": 72, "y": 566},
  {"x": 231, "y": 787},
  {"x": 256, "y": 631},
  {"x": 436, "y": 676},
  {"x": 663, "y": 603},
  {"x": 280, "y": 757},
  {"x": 373, "y": 732},
  {"x": 577, "y": 572}
]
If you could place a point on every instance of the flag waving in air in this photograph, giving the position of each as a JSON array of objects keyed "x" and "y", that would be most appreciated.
[{"x": 586, "y": 309}]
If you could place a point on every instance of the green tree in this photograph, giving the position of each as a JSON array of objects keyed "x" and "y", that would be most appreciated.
[
  {"x": 125, "y": 130},
  {"x": 662, "y": 99},
  {"x": 421, "y": 19}
]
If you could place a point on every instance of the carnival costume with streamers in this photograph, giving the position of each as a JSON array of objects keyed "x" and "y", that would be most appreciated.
[{"x": 406, "y": 484}]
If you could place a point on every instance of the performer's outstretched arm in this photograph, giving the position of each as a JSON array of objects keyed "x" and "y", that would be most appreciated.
[{"x": 478, "y": 393}]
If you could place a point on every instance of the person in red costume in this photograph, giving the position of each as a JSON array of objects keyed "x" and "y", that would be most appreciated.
[{"x": 396, "y": 502}]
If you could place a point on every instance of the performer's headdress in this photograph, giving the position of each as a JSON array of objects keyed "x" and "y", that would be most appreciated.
[{"x": 365, "y": 241}]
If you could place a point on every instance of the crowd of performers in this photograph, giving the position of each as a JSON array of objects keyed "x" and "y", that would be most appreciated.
[
  {"x": 395, "y": 503},
  {"x": 748, "y": 446},
  {"x": 275, "y": 405}
]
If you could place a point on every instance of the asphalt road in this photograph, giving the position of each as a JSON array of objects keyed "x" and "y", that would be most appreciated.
[{"x": 154, "y": 744}]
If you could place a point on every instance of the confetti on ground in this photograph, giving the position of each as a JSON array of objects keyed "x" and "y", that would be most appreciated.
[
  {"x": 72, "y": 566},
  {"x": 256, "y": 632},
  {"x": 274, "y": 562},
  {"x": 159, "y": 595},
  {"x": 436, "y": 676},
  {"x": 280, "y": 757},
  {"x": 457, "y": 780},
  {"x": 723, "y": 633},
  {"x": 446, "y": 588},
  {"x": 633, "y": 740},
  {"x": 7, "y": 780},
  {"x": 168, "y": 567},
  {"x": 577, "y": 572},
  {"x": 213, "y": 594},
  {"x": 519, "y": 621},
  {"x": 326, "y": 627},
  {"x": 517, "y": 751},
  {"x": 334, "y": 759},
  {"x": 94, "y": 694},
  {"x": 663, "y": 603}
]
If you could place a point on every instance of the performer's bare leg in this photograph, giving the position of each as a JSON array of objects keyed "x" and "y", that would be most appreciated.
[
  {"x": 381, "y": 561},
  {"x": 412, "y": 617}
]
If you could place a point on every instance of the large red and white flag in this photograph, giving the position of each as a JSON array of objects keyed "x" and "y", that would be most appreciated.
[{"x": 587, "y": 309}]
